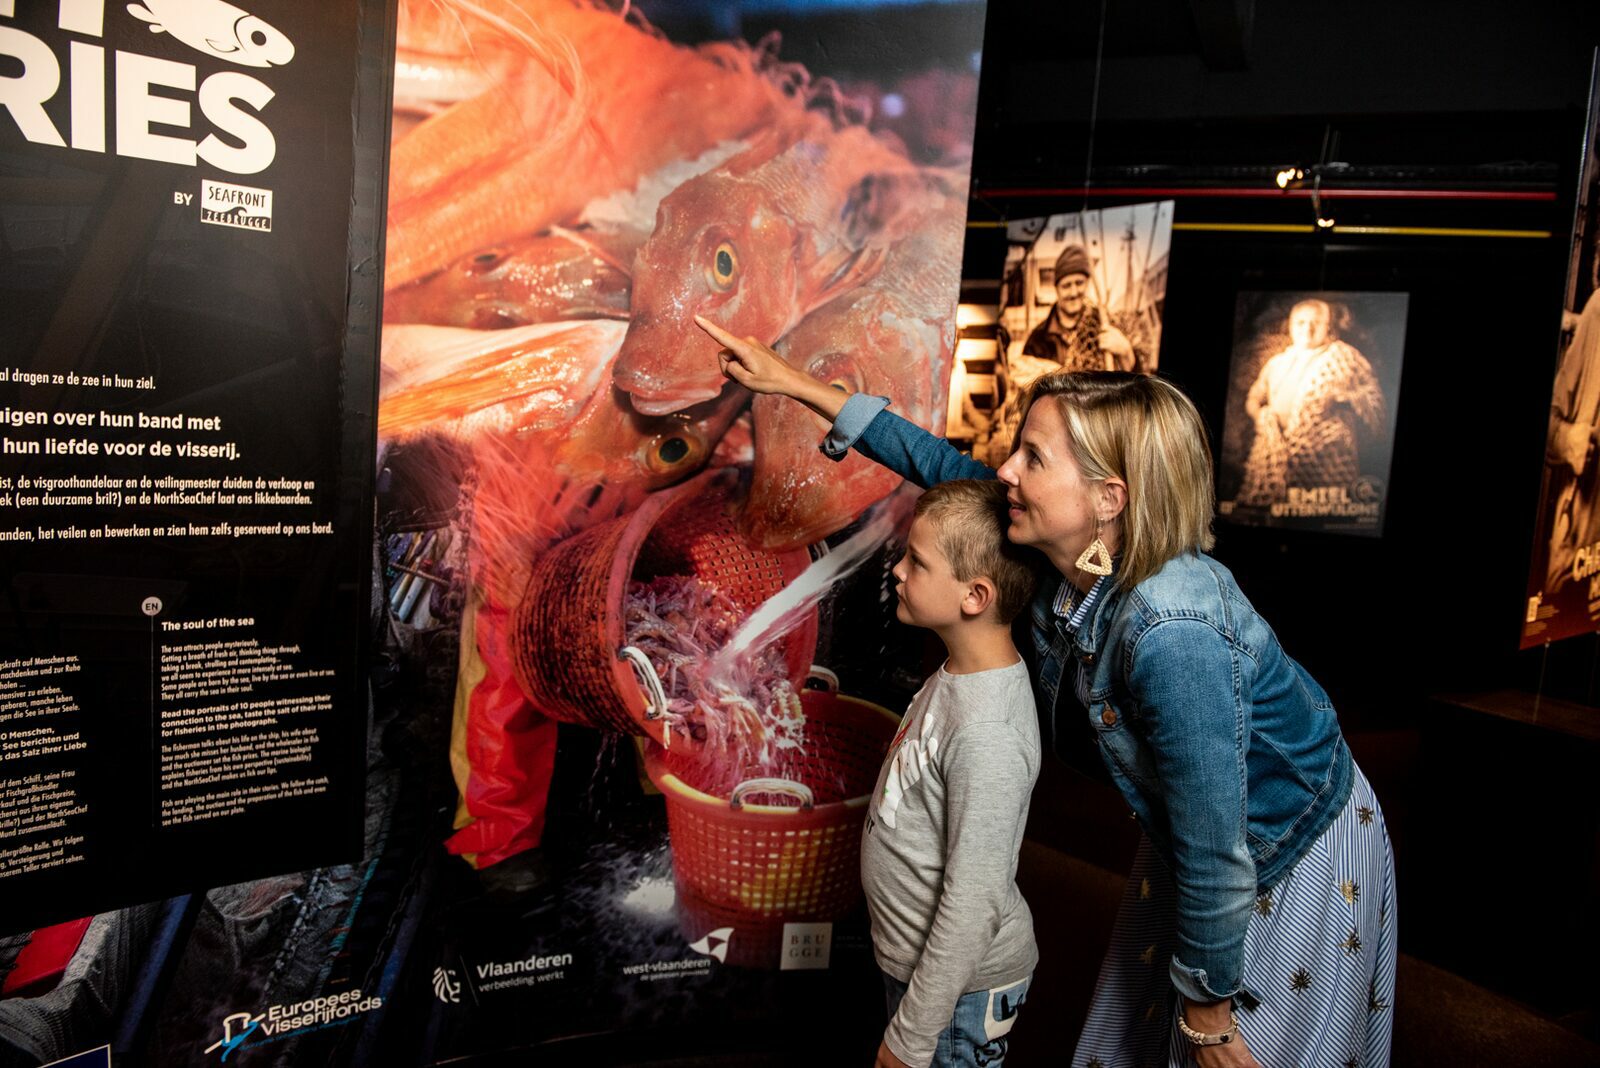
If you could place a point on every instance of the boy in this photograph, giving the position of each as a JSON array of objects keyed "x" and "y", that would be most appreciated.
[{"x": 939, "y": 855}]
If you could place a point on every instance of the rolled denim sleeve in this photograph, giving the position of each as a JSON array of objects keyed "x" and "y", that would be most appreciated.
[
  {"x": 898, "y": 444},
  {"x": 1187, "y": 680}
]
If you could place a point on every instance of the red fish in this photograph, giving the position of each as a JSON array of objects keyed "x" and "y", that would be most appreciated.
[
  {"x": 594, "y": 103},
  {"x": 894, "y": 337},
  {"x": 779, "y": 230},
  {"x": 557, "y": 275},
  {"x": 523, "y": 378},
  {"x": 611, "y": 456}
]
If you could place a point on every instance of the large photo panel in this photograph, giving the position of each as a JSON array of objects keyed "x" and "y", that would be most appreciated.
[
  {"x": 1308, "y": 435},
  {"x": 1564, "y": 576},
  {"x": 674, "y": 668}
]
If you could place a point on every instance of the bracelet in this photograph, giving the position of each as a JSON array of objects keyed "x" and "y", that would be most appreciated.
[{"x": 1200, "y": 1038}]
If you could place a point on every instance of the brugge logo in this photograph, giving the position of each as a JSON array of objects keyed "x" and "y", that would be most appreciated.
[
  {"x": 242, "y": 206},
  {"x": 714, "y": 944},
  {"x": 806, "y": 945},
  {"x": 217, "y": 29}
]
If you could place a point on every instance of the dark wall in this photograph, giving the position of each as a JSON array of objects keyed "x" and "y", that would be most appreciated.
[
  {"x": 1413, "y": 98},
  {"x": 1494, "y": 818}
]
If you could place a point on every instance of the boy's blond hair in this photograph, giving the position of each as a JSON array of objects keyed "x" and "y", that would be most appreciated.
[
  {"x": 1146, "y": 432},
  {"x": 969, "y": 519}
]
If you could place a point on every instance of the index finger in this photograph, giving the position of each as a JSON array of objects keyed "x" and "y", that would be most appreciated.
[{"x": 721, "y": 336}]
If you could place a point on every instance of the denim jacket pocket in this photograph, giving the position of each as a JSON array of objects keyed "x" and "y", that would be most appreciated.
[{"x": 1120, "y": 746}]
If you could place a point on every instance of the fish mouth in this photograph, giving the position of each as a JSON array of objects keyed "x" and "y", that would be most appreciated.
[{"x": 650, "y": 396}]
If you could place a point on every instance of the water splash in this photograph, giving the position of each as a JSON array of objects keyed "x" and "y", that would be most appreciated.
[{"x": 783, "y": 612}]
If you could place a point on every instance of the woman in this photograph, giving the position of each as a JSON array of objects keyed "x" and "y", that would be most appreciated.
[{"x": 1265, "y": 879}]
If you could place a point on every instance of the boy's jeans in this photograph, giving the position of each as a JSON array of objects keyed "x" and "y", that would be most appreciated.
[{"x": 976, "y": 1037}]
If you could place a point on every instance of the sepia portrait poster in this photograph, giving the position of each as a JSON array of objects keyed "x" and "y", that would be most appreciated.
[
  {"x": 1309, "y": 430},
  {"x": 1564, "y": 576}
]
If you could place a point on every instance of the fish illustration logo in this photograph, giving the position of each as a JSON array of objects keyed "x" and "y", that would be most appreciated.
[
  {"x": 235, "y": 1029},
  {"x": 217, "y": 29},
  {"x": 714, "y": 944},
  {"x": 445, "y": 986}
]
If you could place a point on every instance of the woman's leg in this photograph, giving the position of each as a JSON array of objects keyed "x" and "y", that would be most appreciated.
[
  {"x": 1320, "y": 952},
  {"x": 1130, "y": 1017}
]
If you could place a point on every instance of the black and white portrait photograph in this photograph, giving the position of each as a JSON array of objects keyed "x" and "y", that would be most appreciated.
[
  {"x": 1309, "y": 428},
  {"x": 1080, "y": 292}
]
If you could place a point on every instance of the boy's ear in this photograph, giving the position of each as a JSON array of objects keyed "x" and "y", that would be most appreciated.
[{"x": 980, "y": 595}]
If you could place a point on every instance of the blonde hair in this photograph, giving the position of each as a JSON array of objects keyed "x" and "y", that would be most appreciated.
[
  {"x": 1146, "y": 432},
  {"x": 969, "y": 520}
]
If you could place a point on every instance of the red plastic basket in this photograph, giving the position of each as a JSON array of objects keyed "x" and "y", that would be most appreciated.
[
  {"x": 568, "y": 630},
  {"x": 796, "y": 856}
]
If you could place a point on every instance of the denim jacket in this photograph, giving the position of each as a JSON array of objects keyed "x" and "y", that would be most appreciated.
[{"x": 1228, "y": 752}]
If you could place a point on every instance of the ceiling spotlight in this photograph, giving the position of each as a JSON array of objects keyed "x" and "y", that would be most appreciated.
[
  {"x": 1324, "y": 224},
  {"x": 1287, "y": 175}
]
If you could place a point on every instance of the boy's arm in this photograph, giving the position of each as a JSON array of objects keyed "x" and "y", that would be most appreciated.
[
  {"x": 858, "y": 419},
  {"x": 987, "y": 783}
]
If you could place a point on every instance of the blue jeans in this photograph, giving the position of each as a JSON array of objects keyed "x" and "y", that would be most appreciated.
[{"x": 976, "y": 1037}]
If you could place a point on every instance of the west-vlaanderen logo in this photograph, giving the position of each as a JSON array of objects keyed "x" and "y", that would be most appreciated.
[{"x": 281, "y": 1021}]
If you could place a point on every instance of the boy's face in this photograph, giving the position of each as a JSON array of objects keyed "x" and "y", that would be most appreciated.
[{"x": 929, "y": 592}]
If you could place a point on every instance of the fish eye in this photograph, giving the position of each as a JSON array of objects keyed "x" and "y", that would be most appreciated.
[
  {"x": 834, "y": 368},
  {"x": 724, "y": 267},
  {"x": 669, "y": 453},
  {"x": 267, "y": 42}
]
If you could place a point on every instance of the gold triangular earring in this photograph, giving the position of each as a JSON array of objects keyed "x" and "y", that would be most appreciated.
[{"x": 1096, "y": 559}]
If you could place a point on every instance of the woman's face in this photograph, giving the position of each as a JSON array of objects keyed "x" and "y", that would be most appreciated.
[{"x": 1052, "y": 504}]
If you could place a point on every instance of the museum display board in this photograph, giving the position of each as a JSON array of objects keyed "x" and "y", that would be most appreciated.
[{"x": 186, "y": 404}]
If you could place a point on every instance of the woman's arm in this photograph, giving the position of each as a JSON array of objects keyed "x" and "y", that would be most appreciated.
[
  {"x": 859, "y": 419},
  {"x": 1187, "y": 680}
]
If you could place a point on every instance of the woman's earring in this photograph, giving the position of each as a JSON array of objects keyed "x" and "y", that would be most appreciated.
[{"x": 1096, "y": 559}]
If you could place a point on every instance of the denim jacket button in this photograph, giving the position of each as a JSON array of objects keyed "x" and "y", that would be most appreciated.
[
  {"x": 1109, "y": 716},
  {"x": 1088, "y": 658}
]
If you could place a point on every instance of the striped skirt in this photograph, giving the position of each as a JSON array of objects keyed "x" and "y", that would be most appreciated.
[{"x": 1319, "y": 953}]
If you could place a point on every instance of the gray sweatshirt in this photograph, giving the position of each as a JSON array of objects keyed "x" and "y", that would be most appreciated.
[{"x": 939, "y": 856}]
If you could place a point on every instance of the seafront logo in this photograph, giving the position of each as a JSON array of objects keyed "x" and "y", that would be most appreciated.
[
  {"x": 241, "y": 206},
  {"x": 217, "y": 29}
]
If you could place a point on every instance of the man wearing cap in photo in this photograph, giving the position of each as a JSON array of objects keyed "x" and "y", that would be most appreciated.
[{"x": 1077, "y": 335}]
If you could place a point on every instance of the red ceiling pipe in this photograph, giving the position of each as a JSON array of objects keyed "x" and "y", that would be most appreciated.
[{"x": 1268, "y": 193}]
